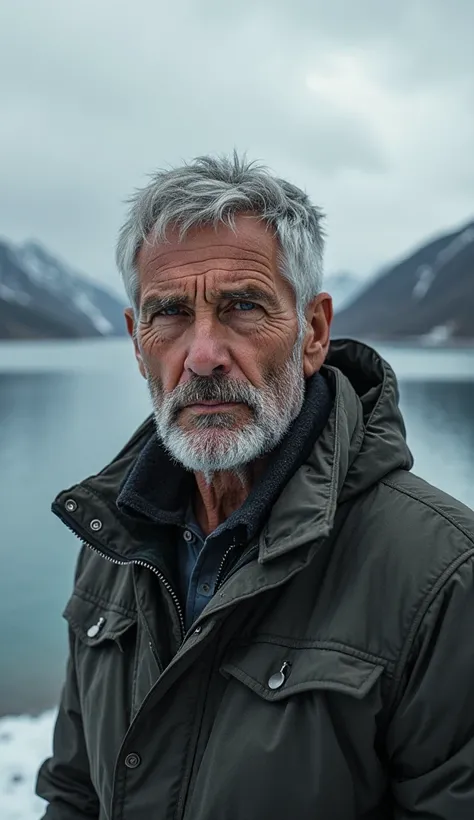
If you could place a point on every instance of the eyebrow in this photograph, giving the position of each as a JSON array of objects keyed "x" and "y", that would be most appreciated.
[{"x": 155, "y": 304}]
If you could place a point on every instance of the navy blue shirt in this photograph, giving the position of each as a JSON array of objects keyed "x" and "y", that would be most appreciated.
[
  {"x": 199, "y": 563},
  {"x": 198, "y": 569}
]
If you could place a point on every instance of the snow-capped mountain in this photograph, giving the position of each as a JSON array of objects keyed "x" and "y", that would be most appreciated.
[
  {"x": 429, "y": 296},
  {"x": 41, "y": 297}
]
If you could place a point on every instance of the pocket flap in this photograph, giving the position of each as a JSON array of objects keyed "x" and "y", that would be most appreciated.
[
  {"x": 311, "y": 667},
  {"x": 95, "y": 622}
]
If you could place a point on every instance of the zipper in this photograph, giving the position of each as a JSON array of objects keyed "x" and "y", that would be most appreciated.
[
  {"x": 138, "y": 562},
  {"x": 222, "y": 565},
  {"x": 220, "y": 578}
]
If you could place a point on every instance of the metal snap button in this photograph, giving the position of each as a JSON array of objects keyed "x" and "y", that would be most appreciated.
[
  {"x": 198, "y": 630},
  {"x": 278, "y": 679},
  {"x": 132, "y": 760},
  {"x": 94, "y": 630},
  {"x": 96, "y": 524},
  {"x": 188, "y": 536},
  {"x": 205, "y": 589},
  {"x": 71, "y": 505}
]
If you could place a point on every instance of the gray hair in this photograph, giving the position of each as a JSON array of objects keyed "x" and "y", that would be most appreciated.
[{"x": 212, "y": 190}]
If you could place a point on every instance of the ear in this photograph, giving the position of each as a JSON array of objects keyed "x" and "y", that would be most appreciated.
[
  {"x": 319, "y": 315},
  {"x": 132, "y": 331}
]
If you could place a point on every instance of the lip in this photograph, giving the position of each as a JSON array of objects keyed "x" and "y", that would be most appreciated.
[{"x": 210, "y": 406}]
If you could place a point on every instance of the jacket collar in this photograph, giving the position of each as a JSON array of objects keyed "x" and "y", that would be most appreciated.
[
  {"x": 159, "y": 489},
  {"x": 362, "y": 441}
]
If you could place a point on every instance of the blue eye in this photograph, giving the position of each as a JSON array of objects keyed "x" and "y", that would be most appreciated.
[
  {"x": 169, "y": 311},
  {"x": 245, "y": 306}
]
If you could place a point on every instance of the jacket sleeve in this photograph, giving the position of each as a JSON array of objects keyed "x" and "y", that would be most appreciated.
[{"x": 430, "y": 740}]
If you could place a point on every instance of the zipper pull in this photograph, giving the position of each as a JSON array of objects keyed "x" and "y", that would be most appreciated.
[
  {"x": 279, "y": 678},
  {"x": 94, "y": 630}
]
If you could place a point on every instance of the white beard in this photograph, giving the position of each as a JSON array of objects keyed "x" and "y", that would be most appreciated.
[{"x": 216, "y": 444}]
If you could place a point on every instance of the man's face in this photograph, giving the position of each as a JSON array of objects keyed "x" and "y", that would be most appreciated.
[{"x": 216, "y": 340}]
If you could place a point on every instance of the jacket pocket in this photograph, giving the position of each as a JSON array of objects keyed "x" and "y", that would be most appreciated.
[
  {"x": 296, "y": 724},
  {"x": 275, "y": 671},
  {"x": 95, "y": 622}
]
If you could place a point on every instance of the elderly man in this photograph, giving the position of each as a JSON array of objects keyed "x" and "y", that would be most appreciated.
[{"x": 272, "y": 617}]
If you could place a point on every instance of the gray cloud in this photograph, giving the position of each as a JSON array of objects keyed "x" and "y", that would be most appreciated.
[{"x": 368, "y": 105}]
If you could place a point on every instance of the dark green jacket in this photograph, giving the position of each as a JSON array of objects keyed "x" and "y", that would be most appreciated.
[{"x": 330, "y": 677}]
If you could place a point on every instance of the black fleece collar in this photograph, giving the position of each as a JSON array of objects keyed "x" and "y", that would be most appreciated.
[{"x": 160, "y": 489}]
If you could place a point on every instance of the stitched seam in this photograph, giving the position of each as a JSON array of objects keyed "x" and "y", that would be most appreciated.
[
  {"x": 135, "y": 675},
  {"x": 327, "y": 646},
  {"x": 79, "y": 629},
  {"x": 430, "y": 506},
  {"x": 428, "y": 600},
  {"x": 142, "y": 621},
  {"x": 90, "y": 597},
  {"x": 244, "y": 676}
]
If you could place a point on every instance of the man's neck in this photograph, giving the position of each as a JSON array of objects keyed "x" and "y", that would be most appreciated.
[{"x": 226, "y": 492}]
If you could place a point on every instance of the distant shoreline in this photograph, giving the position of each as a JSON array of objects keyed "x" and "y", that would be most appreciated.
[{"x": 415, "y": 343}]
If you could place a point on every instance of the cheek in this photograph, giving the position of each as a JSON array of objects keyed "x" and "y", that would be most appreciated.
[
  {"x": 161, "y": 360},
  {"x": 272, "y": 344}
]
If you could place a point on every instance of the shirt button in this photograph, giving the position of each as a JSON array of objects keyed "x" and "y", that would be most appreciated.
[
  {"x": 188, "y": 536},
  {"x": 205, "y": 589},
  {"x": 132, "y": 760}
]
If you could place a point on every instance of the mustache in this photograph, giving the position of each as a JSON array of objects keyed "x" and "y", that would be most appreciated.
[{"x": 212, "y": 388}]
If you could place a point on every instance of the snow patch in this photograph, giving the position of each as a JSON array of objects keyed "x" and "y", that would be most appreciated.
[
  {"x": 84, "y": 304},
  {"x": 24, "y": 743},
  {"x": 12, "y": 295},
  {"x": 424, "y": 279},
  {"x": 39, "y": 268},
  {"x": 45, "y": 271},
  {"x": 438, "y": 335},
  {"x": 456, "y": 246}
]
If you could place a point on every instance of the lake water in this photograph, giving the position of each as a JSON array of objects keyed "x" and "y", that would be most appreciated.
[{"x": 66, "y": 409}]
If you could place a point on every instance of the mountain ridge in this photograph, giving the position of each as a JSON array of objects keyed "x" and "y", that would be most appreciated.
[
  {"x": 43, "y": 298},
  {"x": 428, "y": 295}
]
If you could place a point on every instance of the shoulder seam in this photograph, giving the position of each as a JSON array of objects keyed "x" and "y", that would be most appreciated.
[{"x": 441, "y": 513}]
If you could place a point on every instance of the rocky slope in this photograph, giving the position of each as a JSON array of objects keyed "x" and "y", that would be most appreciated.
[{"x": 429, "y": 296}]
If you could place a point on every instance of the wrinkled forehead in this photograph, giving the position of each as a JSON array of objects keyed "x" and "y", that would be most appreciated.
[{"x": 250, "y": 240}]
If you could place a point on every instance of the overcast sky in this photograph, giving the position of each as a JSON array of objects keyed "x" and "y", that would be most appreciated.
[{"x": 368, "y": 105}]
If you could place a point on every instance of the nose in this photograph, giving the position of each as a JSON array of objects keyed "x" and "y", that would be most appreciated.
[{"x": 207, "y": 354}]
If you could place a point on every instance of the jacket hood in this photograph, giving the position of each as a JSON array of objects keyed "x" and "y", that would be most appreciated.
[
  {"x": 369, "y": 395},
  {"x": 363, "y": 441}
]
